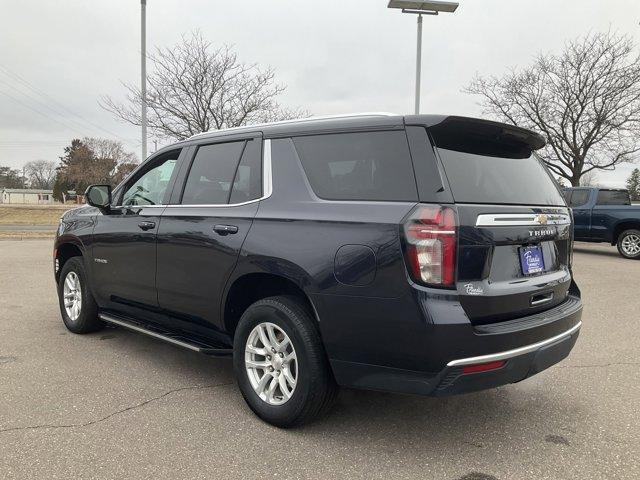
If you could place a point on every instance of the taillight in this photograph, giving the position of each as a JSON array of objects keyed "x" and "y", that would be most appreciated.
[{"x": 430, "y": 236}]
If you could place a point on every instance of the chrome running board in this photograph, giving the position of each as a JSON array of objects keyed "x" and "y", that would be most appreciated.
[{"x": 181, "y": 341}]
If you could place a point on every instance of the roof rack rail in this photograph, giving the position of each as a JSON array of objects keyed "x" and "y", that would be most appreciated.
[{"x": 299, "y": 120}]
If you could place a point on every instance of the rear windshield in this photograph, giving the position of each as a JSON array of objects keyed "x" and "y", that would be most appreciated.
[{"x": 487, "y": 179}]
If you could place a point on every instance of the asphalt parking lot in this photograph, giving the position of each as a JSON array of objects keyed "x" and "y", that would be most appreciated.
[{"x": 116, "y": 404}]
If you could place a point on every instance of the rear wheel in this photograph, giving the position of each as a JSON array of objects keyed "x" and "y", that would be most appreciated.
[
  {"x": 77, "y": 306},
  {"x": 629, "y": 244},
  {"x": 280, "y": 363}
]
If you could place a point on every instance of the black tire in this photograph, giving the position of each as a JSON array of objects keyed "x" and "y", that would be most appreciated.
[
  {"x": 627, "y": 234},
  {"x": 87, "y": 320},
  {"x": 315, "y": 388}
]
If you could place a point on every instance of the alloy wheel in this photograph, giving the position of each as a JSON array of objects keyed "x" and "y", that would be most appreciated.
[
  {"x": 72, "y": 295},
  {"x": 271, "y": 363},
  {"x": 631, "y": 245}
]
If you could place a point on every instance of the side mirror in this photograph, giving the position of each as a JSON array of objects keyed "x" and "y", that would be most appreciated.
[{"x": 99, "y": 196}]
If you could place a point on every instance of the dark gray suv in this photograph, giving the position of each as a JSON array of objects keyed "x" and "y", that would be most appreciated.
[{"x": 418, "y": 254}]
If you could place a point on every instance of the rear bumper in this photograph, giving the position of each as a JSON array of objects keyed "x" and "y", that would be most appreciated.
[
  {"x": 527, "y": 346},
  {"x": 520, "y": 363}
]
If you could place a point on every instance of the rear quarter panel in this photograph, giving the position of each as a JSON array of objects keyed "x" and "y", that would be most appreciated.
[{"x": 297, "y": 235}]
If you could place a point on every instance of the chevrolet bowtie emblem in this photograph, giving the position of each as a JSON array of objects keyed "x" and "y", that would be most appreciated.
[{"x": 541, "y": 219}]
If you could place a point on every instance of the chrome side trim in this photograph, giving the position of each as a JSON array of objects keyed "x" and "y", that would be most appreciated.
[
  {"x": 493, "y": 357},
  {"x": 267, "y": 171},
  {"x": 267, "y": 186},
  {"x": 115, "y": 321},
  {"x": 522, "y": 219}
]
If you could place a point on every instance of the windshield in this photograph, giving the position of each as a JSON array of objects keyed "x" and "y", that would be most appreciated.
[{"x": 487, "y": 179}]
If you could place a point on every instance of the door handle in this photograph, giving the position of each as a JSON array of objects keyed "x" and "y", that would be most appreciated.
[
  {"x": 146, "y": 225},
  {"x": 225, "y": 229}
]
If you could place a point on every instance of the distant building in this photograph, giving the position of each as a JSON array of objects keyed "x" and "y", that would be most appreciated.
[{"x": 26, "y": 196}]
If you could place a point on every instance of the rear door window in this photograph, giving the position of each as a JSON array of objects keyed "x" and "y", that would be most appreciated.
[
  {"x": 247, "y": 184},
  {"x": 359, "y": 166},
  {"x": 494, "y": 179},
  {"x": 212, "y": 173},
  {"x": 613, "y": 197},
  {"x": 579, "y": 198}
]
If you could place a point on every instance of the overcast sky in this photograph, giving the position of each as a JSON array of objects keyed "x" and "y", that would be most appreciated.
[{"x": 334, "y": 56}]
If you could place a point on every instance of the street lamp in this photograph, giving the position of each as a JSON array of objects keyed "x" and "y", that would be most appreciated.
[
  {"x": 143, "y": 75},
  {"x": 420, "y": 8}
]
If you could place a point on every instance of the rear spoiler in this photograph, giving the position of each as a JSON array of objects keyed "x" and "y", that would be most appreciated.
[{"x": 485, "y": 137}]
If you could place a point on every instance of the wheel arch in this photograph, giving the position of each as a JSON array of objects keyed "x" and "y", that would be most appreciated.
[
  {"x": 622, "y": 226},
  {"x": 251, "y": 287},
  {"x": 66, "y": 248}
]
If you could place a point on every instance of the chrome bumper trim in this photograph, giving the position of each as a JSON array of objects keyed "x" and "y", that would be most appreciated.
[{"x": 493, "y": 357}]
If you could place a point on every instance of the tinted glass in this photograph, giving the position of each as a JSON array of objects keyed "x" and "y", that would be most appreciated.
[
  {"x": 613, "y": 197},
  {"x": 489, "y": 179},
  {"x": 579, "y": 198},
  {"x": 247, "y": 184},
  {"x": 359, "y": 166},
  {"x": 211, "y": 174},
  {"x": 150, "y": 188}
]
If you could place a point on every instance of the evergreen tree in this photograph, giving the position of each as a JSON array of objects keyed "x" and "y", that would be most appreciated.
[{"x": 633, "y": 184}]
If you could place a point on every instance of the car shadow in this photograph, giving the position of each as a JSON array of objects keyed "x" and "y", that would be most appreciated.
[
  {"x": 611, "y": 252},
  {"x": 390, "y": 424}
]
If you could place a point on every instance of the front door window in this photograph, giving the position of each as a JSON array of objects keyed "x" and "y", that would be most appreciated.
[{"x": 150, "y": 188}]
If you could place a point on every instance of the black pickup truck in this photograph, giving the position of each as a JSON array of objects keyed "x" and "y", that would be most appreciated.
[{"x": 606, "y": 215}]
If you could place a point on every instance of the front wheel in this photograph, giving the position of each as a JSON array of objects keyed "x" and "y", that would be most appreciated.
[
  {"x": 629, "y": 244},
  {"x": 77, "y": 306},
  {"x": 280, "y": 363}
]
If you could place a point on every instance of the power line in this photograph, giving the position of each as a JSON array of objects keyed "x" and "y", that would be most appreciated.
[
  {"x": 16, "y": 77},
  {"x": 42, "y": 105},
  {"x": 46, "y": 115}
]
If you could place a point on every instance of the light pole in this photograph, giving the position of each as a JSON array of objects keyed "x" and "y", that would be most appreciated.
[
  {"x": 143, "y": 74},
  {"x": 420, "y": 8}
]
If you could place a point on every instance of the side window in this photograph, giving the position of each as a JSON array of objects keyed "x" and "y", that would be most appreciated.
[
  {"x": 613, "y": 197},
  {"x": 579, "y": 198},
  {"x": 212, "y": 173},
  {"x": 359, "y": 166},
  {"x": 150, "y": 188},
  {"x": 247, "y": 184}
]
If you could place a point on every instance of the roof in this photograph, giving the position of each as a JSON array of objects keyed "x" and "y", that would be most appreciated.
[
  {"x": 328, "y": 124},
  {"x": 26, "y": 190},
  {"x": 309, "y": 121}
]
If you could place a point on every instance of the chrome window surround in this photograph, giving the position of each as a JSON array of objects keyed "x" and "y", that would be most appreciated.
[
  {"x": 494, "y": 357},
  {"x": 267, "y": 185},
  {"x": 522, "y": 220}
]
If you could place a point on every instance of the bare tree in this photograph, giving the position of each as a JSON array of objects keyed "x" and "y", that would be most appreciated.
[
  {"x": 585, "y": 100},
  {"x": 589, "y": 179},
  {"x": 41, "y": 173},
  {"x": 195, "y": 88}
]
